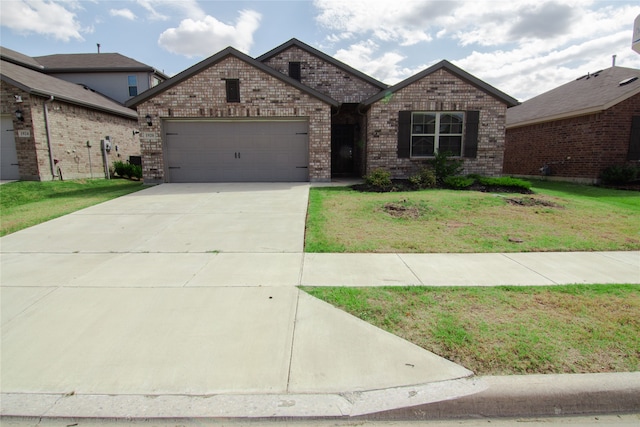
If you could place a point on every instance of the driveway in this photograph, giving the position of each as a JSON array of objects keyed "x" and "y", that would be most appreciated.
[{"x": 188, "y": 290}]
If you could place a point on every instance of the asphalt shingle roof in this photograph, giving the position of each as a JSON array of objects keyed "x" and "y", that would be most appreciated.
[
  {"x": 37, "y": 83},
  {"x": 586, "y": 95}
]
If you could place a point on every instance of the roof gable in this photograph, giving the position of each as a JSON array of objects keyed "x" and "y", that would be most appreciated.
[
  {"x": 212, "y": 60},
  {"x": 586, "y": 95},
  {"x": 458, "y": 72},
  {"x": 341, "y": 65},
  {"x": 37, "y": 83},
  {"x": 19, "y": 58}
]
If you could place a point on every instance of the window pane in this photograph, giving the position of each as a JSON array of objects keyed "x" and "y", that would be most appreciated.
[
  {"x": 133, "y": 91},
  {"x": 422, "y": 146},
  {"x": 451, "y": 123},
  {"x": 451, "y": 144},
  {"x": 132, "y": 81}
]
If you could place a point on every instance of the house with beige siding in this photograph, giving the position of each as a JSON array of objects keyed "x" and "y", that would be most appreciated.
[{"x": 55, "y": 129}]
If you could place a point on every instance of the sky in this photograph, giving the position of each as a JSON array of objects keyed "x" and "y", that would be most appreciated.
[{"x": 521, "y": 47}]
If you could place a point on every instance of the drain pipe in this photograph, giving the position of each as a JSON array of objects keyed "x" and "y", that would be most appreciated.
[{"x": 46, "y": 126}]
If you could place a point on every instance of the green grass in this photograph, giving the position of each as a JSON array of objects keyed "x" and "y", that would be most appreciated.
[
  {"x": 508, "y": 330},
  {"x": 27, "y": 203},
  {"x": 558, "y": 217}
]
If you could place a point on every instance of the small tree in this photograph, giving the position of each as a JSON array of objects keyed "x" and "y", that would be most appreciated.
[{"x": 444, "y": 166}]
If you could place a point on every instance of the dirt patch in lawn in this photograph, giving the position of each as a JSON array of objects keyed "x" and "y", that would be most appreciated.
[
  {"x": 533, "y": 202},
  {"x": 399, "y": 210}
]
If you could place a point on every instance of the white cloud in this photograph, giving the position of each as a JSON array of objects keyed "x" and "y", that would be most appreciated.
[
  {"x": 42, "y": 17},
  {"x": 123, "y": 13},
  {"x": 522, "y": 47},
  {"x": 186, "y": 8},
  {"x": 385, "y": 67},
  {"x": 203, "y": 37}
]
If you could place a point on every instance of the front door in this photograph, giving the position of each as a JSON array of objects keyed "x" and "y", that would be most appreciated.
[{"x": 342, "y": 150}]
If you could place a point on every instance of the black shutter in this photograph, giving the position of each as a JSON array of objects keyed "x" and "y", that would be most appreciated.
[
  {"x": 471, "y": 134},
  {"x": 404, "y": 134},
  {"x": 634, "y": 140}
]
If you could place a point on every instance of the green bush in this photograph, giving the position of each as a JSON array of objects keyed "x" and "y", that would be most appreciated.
[
  {"x": 378, "y": 178},
  {"x": 127, "y": 170},
  {"x": 458, "y": 182},
  {"x": 617, "y": 174},
  {"x": 505, "y": 181},
  {"x": 444, "y": 165},
  {"x": 426, "y": 178}
]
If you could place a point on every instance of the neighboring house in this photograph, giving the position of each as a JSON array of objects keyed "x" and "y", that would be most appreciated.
[
  {"x": 575, "y": 131},
  {"x": 111, "y": 74},
  {"x": 296, "y": 114},
  {"x": 48, "y": 123}
]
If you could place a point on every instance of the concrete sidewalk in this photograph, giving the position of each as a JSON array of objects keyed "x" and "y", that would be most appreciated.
[{"x": 182, "y": 301}]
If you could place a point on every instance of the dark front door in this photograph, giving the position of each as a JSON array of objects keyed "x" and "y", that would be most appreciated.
[{"x": 342, "y": 150}]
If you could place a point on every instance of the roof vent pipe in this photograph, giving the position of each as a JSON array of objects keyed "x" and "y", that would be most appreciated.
[
  {"x": 98, "y": 44},
  {"x": 613, "y": 60}
]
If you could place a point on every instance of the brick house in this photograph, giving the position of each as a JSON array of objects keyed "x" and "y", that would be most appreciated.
[
  {"x": 575, "y": 131},
  {"x": 296, "y": 114},
  {"x": 49, "y": 123}
]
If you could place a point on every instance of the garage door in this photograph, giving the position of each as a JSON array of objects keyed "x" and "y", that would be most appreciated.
[
  {"x": 8, "y": 155},
  {"x": 237, "y": 150}
]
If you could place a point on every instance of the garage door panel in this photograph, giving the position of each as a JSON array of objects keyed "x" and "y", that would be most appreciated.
[
  {"x": 237, "y": 151},
  {"x": 8, "y": 153}
]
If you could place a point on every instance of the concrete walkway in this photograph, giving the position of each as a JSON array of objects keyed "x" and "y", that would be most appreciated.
[{"x": 182, "y": 300}]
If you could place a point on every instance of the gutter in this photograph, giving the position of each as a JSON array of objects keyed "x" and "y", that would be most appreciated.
[{"x": 46, "y": 126}]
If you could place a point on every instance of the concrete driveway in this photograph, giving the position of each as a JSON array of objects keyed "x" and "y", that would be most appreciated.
[{"x": 190, "y": 290}]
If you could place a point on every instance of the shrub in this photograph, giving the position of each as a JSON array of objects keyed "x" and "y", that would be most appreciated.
[
  {"x": 505, "y": 181},
  {"x": 127, "y": 170},
  {"x": 444, "y": 166},
  {"x": 617, "y": 174},
  {"x": 426, "y": 178},
  {"x": 458, "y": 182},
  {"x": 378, "y": 178}
]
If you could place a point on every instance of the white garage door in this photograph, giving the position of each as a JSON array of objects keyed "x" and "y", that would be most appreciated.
[
  {"x": 237, "y": 150},
  {"x": 8, "y": 154}
]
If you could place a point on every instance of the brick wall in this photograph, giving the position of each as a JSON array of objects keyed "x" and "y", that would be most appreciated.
[
  {"x": 261, "y": 95},
  {"x": 439, "y": 91},
  {"x": 574, "y": 148},
  {"x": 70, "y": 127},
  {"x": 323, "y": 76}
]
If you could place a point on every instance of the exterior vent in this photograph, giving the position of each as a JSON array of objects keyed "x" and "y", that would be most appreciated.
[{"x": 627, "y": 81}]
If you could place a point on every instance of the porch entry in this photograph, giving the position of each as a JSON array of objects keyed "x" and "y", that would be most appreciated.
[{"x": 342, "y": 150}]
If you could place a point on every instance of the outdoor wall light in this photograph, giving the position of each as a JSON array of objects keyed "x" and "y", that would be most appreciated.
[
  {"x": 148, "y": 118},
  {"x": 19, "y": 115},
  {"x": 135, "y": 132}
]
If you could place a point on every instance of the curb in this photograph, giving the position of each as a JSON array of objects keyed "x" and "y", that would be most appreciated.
[
  {"x": 533, "y": 396},
  {"x": 479, "y": 397}
]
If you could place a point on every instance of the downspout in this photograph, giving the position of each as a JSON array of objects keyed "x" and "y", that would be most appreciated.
[{"x": 46, "y": 126}]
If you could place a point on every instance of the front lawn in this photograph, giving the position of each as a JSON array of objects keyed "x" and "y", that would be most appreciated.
[
  {"x": 508, "y": 330},
  {"x": 27, "y": 203},
  {"x": 557, "y": 217}
]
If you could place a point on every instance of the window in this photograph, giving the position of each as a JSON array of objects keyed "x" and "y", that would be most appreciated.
[
  {"x": 634, "y": 140},
  {"x": 425, "y": 133},
  {"x": 436, "y": 132},
  {"x": 294, "y": 70},
  {"x": 233, "y": 90},
  {"x": 133, "y": 85}
]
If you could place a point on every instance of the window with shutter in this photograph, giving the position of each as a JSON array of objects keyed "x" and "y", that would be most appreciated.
[{"x": 424, "y": 133}]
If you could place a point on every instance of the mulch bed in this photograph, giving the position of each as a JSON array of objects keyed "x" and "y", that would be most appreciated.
[{"x": 405, "y": 185}]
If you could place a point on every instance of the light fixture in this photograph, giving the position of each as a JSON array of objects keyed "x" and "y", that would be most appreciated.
[
  {"x": 135, "y": 132},
  {"x": 19, "y": 115},
  {"x": 148, "y": 118}
]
